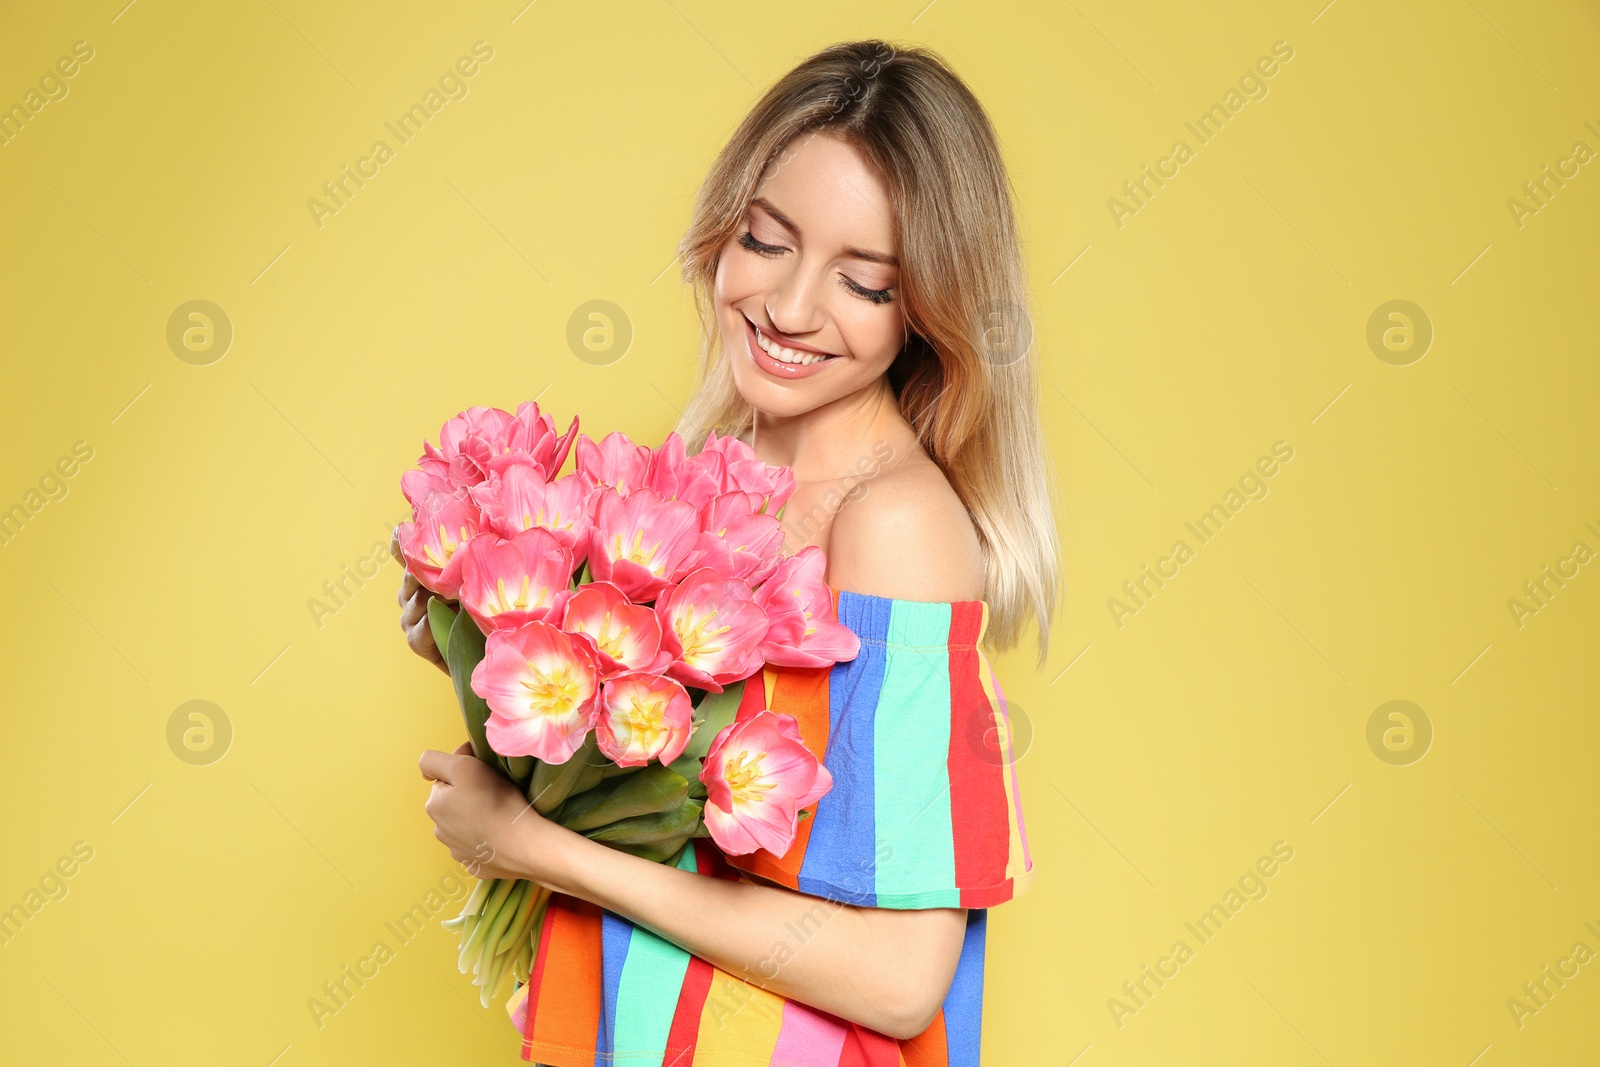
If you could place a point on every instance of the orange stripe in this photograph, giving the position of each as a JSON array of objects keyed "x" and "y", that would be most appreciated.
[
  {"x": 568, "y": 1009},
  {"x": 929, "y": 1048}
]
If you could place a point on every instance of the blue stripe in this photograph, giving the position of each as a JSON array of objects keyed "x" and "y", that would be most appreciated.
[
  {"x": 615, "y": 933},
  {"x": 843, "y": 866},
  {"x": 652, "y": 980},
  {"x": 963, "y": 1005}
]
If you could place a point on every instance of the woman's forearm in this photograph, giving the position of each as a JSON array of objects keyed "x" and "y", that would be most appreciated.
[{"x": 886, "y": 969}]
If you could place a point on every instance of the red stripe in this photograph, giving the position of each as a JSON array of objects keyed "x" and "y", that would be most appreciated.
[
  {"x": 977, "y": 786},
  {"x": 754, "y": 696},
  {"x": 868, "y": 1048},
  {"x": 685, "y": 1032}
]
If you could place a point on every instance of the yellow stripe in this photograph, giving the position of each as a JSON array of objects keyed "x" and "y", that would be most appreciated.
[
  {"x": 1020, "y": 877},
  {"x": 739, "y": 1023}
]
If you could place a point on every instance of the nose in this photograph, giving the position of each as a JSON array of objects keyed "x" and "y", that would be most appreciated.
[{"x": 793, "y": 306}]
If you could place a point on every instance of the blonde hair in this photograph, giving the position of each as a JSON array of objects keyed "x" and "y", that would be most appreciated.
[{"x": 967, "y": 381}]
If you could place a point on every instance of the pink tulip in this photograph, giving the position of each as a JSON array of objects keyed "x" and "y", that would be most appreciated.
[
  {"x": 542, "y": 689},
  {"x": 713, "y": 628},
  {"x": 616, "y": 462},
  {"x": 507, "y": 582},
  {"x": 626, "y": 636},
  {"x": 675, "y": 476},
  {"x": 466, "y": 445},
  {"x": 643, "y": 717},
  {"x": 758, "y": 775},
  {"x": 518, "y": 498},
  {"x": 735, "y": 541},
  {"x": 639, "y": 540},
  {"x": 430, "y": 476},
  {"x": 532, "y": 434},
  {"x": 431, "y": 544},
  {"x": 769, "y": 487},
  {"x": 803, "y": 629}
]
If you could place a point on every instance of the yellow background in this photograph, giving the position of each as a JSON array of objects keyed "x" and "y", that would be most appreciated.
[{"x": 1166, "y": 754}]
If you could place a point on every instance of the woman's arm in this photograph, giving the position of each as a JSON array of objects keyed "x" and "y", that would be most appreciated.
[{"x": 887, "y": 969}]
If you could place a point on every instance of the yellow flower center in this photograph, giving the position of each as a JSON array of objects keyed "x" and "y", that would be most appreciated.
[
  {"x": 697, "y": 637},
  {"x": 745, "y": 779},
  {"x": 611, "y": 641},
  {"x": 520, "y": 601},
  {"x": 446, "y": 545},
  {"x": 642, "y": 720},
  {"x": 636, "y": 552},
  {"x": 554, "y": 693}
]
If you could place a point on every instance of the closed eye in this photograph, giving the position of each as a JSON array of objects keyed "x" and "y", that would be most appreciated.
[{"x": 877, "y": 296}]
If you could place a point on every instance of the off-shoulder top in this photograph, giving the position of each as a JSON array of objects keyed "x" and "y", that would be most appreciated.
[{"x": 924, "y": 812}]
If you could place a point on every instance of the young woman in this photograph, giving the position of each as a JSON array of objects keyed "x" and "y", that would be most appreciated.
[{"x": 855, "y": 261}]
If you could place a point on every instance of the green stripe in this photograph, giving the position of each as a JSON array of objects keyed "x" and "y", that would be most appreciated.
[
  {"x": 647, "y": 994},
  {"x": 916, "y": 864}
]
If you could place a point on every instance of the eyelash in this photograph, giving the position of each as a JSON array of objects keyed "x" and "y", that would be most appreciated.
[{"x": 877, "y": 296}]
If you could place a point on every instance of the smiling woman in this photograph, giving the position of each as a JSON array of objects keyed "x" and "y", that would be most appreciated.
[{"x": 855, "y": 260}]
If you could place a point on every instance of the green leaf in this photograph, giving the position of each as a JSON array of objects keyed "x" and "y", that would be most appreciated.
[
  {"x": 578, "y": 803},
  {"x": 553, "y": 783},
  {"x": 657, "y": 828},
  {"x": 518, "y": 768},
  {"x": 654, "y": 789},
  {"x": 440, "y": 618},
  {"x": 715, "y": 712},
  {"x": 464, "y": 652},
  {"x": 668, "y": 851}
]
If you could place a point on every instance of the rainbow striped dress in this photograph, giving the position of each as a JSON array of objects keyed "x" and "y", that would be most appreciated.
[{"x": 924, "y": 813}]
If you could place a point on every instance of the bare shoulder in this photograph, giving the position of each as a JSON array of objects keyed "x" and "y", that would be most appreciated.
[{"x": 906, "y": 534}]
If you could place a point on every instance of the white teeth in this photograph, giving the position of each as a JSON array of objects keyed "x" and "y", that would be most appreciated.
[{"x": 782, "y": 354}]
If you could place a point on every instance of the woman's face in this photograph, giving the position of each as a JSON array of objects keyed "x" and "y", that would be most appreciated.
[{"x": 812, "y": 270}]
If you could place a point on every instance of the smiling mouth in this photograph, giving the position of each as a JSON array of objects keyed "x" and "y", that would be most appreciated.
[{"x": 788, "y": 355}]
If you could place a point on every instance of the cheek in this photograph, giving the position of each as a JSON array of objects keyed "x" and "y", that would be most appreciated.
[{"x": 875, "y": 335}]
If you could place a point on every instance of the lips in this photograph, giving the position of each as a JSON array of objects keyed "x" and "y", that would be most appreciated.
[{"x": 777, "y": 368}]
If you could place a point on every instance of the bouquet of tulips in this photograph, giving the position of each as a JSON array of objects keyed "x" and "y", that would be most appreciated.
[{"x": 598, "y": 627}]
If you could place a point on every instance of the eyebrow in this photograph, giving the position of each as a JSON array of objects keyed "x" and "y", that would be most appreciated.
[{"x": 788, "y": 224}]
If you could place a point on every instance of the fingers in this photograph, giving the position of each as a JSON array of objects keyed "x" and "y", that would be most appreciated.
[
  {"x": 409, "y": 587},
  {"x": 419, "y": 635},
  {"x": 464, "y": 748},
  {"x": 412, "y": 609},
  {"x": 436, "y": 766},
  {"x": 394, "y": 547}
]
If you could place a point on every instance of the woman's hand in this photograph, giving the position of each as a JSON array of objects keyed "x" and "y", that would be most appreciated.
[
  {"x": 414, "y": 611},
  {"x": 485, "y": 821}
]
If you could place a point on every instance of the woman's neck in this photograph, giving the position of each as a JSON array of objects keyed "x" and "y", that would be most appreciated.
[{"x": 830, "y": 441}]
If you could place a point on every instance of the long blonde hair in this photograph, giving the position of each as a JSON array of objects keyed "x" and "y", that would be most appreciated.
[{"x": 967, "y": 381}]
